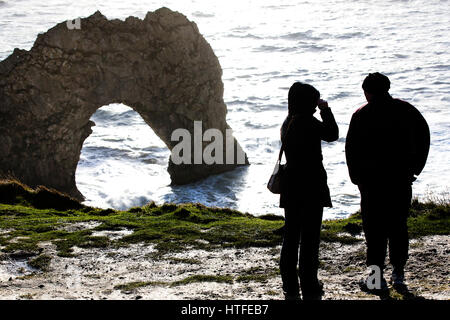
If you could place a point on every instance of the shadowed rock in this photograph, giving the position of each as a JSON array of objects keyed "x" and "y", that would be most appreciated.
[
  {"x": 160, "y": 66},
  {"x": 15, "y": 192}
]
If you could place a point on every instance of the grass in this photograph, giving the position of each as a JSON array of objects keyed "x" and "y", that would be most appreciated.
[
  {"x": 138, "y": 284},
  {"x": 41, "y": 262},
  {"x": 170, "y": 227},
  {"x": 28, "y": 217},
  {"x": 257, "y": 274},
  {"x": 191, "y": 261},
  {"x": 429, "y": 218},
  {"x": 252, "y": 274},
  {"x": 203, "y": 278},
  {"x": 131, "y": 286}
]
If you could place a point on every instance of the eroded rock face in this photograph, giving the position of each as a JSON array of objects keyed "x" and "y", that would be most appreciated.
[{"x": 160, "y": 66}]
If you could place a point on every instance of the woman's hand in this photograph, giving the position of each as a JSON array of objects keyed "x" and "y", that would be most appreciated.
[{"x": 322, "y": 104}]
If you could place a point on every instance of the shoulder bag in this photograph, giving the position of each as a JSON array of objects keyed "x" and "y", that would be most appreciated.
[{"x": 277, "y": 177}]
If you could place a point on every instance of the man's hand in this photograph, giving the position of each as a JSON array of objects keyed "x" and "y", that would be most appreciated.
[{"x": 322, "y": 104}]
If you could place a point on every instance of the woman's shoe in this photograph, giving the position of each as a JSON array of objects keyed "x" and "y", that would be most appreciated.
[
  {"x": 364, "y": 287},
  {"x": 292, "y": 297}
]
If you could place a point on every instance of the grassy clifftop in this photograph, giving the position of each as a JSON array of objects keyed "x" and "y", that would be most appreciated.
[{"x": 30, "y": 216}]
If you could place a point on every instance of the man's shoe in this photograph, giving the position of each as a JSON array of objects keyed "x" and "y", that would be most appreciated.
[
  {"x": 318, "y": 287},
  {"x": 363, "y": 284},
  {"x": 398, "y": 277}
]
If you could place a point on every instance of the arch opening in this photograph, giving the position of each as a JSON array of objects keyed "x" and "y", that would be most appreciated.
[{"x": 123, "y": 161}]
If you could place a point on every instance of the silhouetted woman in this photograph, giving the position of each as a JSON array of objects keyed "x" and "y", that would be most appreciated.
[{"x": 305, "y": 191}]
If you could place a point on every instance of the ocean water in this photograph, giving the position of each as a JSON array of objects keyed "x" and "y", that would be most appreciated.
[{"x": 263, "y": 47}]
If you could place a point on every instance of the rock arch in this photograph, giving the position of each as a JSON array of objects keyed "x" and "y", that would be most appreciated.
[{"x": 160, "y": 66}]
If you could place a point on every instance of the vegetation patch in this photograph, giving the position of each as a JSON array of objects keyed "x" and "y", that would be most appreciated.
[
  {"x": 257, "y": 274},
  {"x": 191, "y": 279},
  {"x": 15, "y": 192},
  {"x": 429, "y": 218},
  {"x": 203, "y": 278},
  {"x": 175, "y": 260},
  {"x": 425, "y": 218},
  {"x": 41, "y": 262},
  {"x": 138, "y": 284},
  {"x": 253, "y": 277}
]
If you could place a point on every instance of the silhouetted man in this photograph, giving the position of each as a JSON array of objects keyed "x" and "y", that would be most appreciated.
[{"x": 387, "y": 144}]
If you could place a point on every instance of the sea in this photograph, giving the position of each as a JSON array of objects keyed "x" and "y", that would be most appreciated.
[{"x": 263, "y": 47}]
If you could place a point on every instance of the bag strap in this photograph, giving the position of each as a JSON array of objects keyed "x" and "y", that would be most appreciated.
[
  {"x": 280, "y": 155},
  {"x": 283, "y": 138}
]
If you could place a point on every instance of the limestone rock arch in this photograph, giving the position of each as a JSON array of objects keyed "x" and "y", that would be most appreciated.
[{"x": 160, "y": 66}]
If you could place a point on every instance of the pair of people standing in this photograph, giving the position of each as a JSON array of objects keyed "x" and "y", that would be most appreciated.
[{"x": 387, "y": 144}]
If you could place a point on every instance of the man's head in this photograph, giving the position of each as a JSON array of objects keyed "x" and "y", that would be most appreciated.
[
  {"x": 302, "y": 98},
  {"x": 376, "y": 85}
]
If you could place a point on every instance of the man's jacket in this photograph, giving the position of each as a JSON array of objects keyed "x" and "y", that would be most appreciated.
[{"x": 387, "y": 141}]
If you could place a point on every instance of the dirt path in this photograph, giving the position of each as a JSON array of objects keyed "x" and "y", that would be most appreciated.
[{"x": 135, "y": 272}]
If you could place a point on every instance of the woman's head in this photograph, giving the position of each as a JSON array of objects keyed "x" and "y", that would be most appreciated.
[{"x": 302, "y": 98}]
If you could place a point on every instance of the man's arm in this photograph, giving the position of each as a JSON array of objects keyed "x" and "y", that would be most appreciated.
[
  {"x": 421, "y": 138},
  {"x": 352, "y": 151}
]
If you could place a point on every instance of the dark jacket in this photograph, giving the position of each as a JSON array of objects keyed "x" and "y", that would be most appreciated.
[
  {"x": 306, "y": 179},
  {"x": 388, "y": 140}
]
